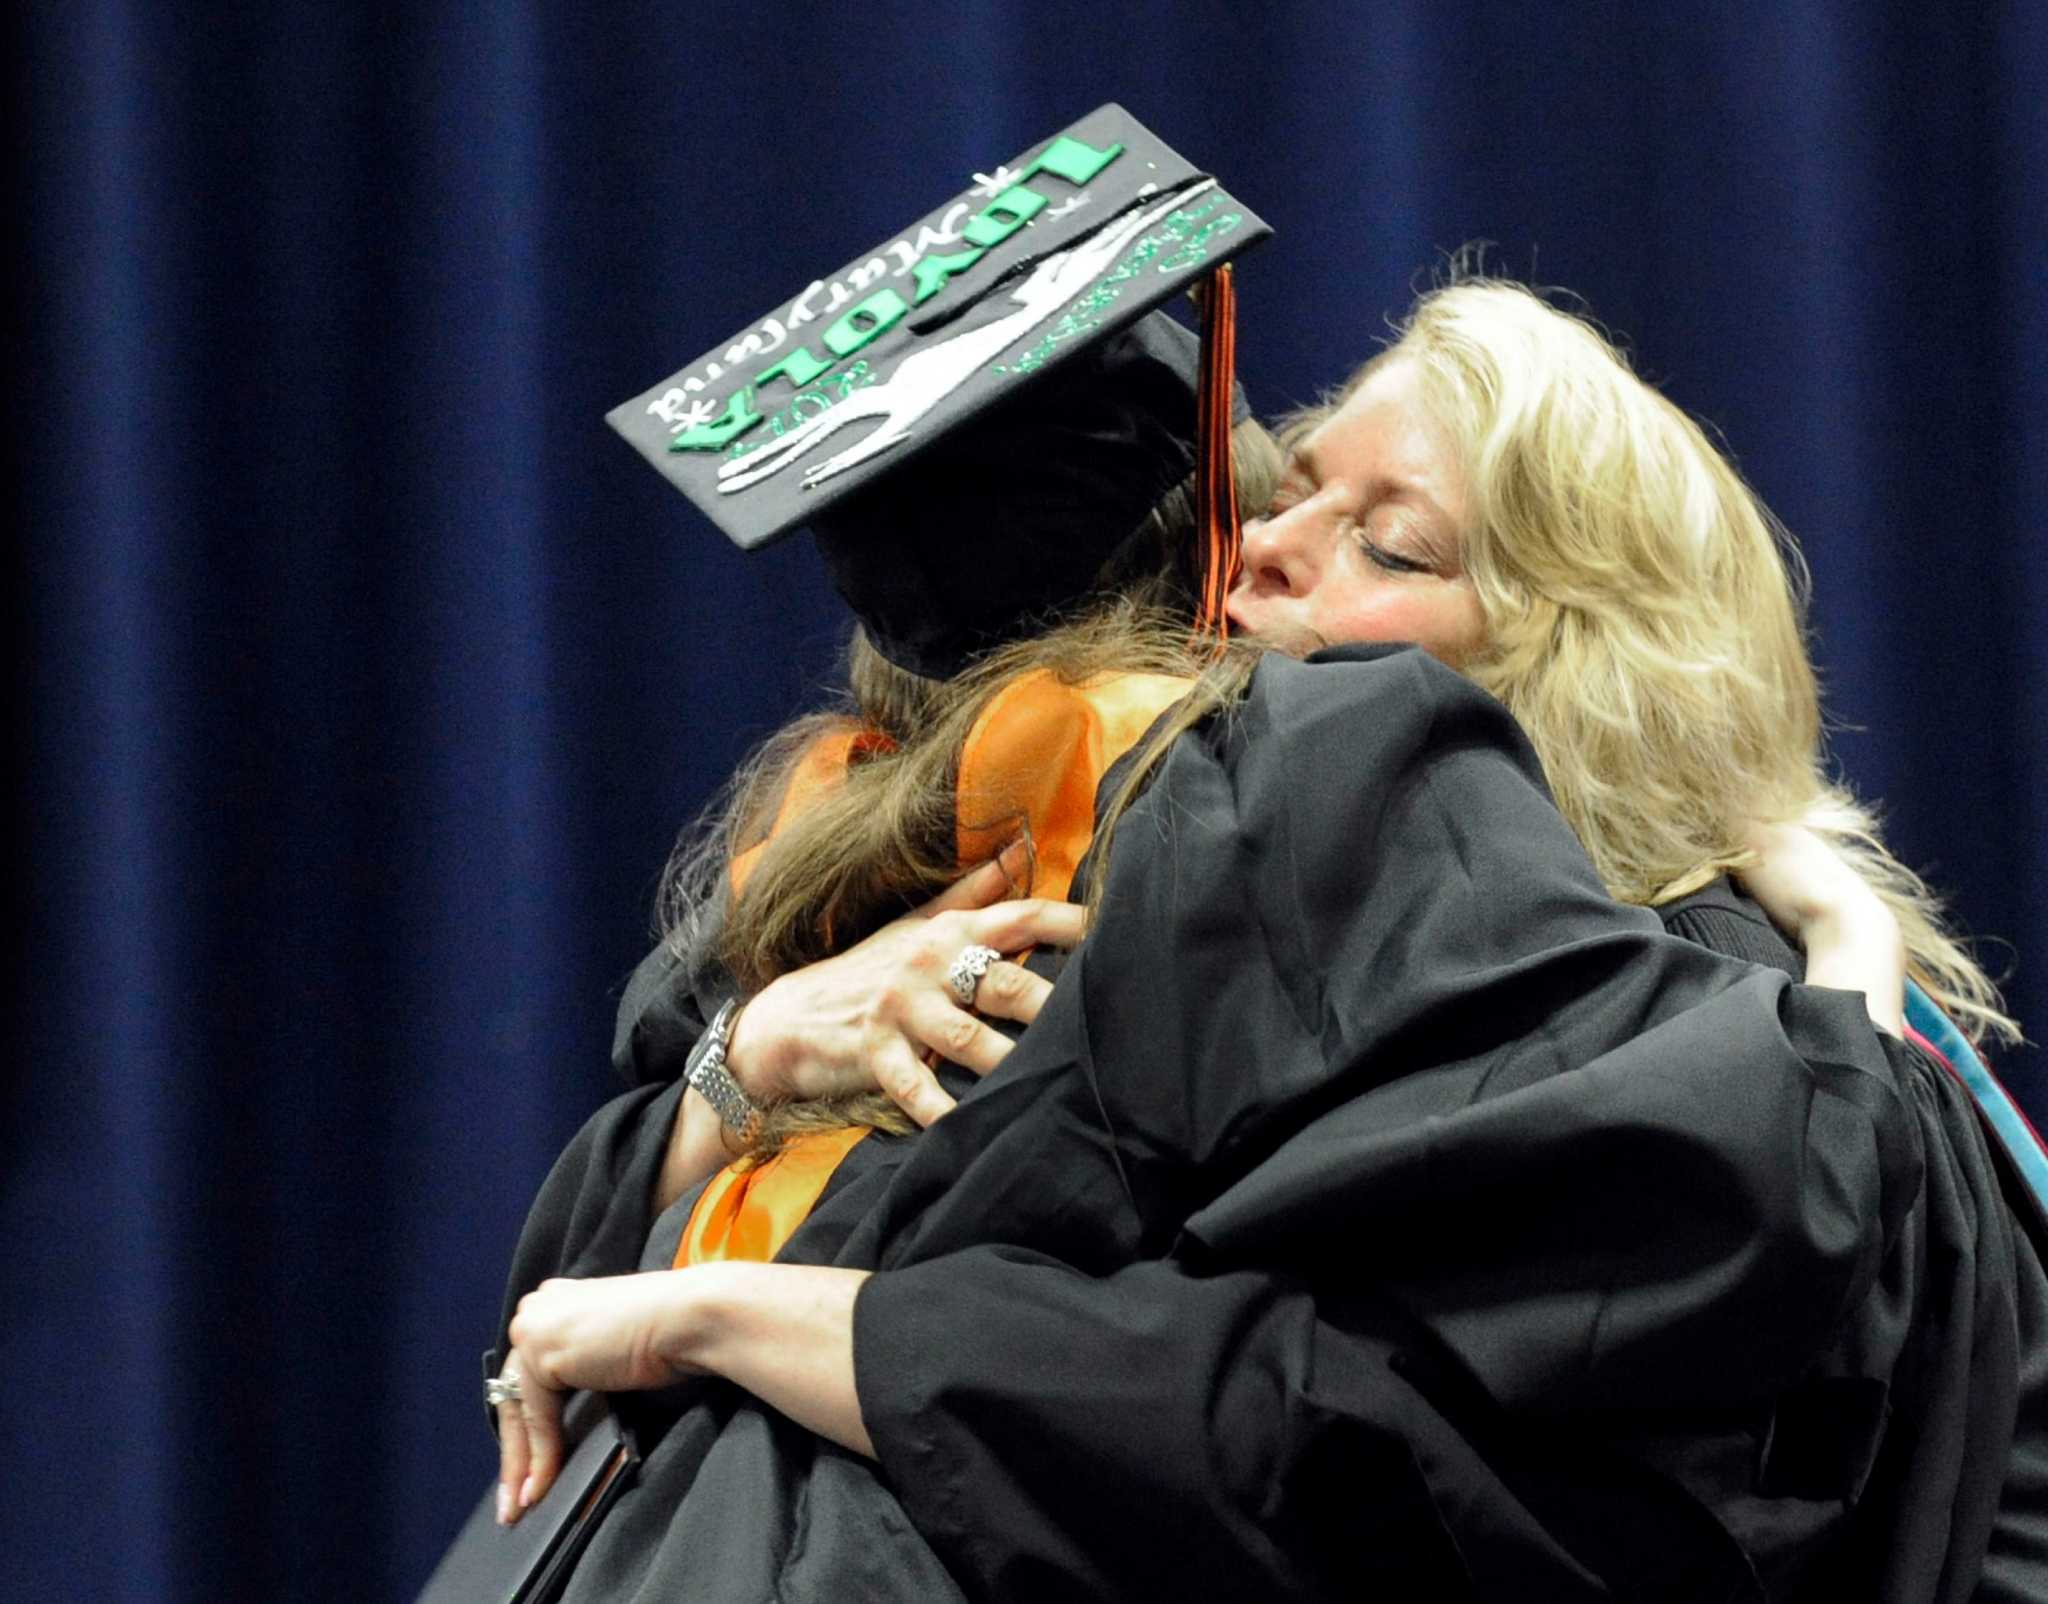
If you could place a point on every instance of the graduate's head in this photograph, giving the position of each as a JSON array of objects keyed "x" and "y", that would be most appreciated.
[
  {"x": 1051, "y": 531},
  {"x": 1500, "y": 487},
  {"x": 1050, "y": 535},
  {"x": 1075, "y": 492},
  {"x": 987, "y": 423}
]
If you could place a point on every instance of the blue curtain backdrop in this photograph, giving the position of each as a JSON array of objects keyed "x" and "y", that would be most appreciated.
[{"x": 364, "y": 677}]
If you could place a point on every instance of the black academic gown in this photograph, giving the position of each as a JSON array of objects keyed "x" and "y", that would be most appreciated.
[{"x": 1375, "y": 1206}]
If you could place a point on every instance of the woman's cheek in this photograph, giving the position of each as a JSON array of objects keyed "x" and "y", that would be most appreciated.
[{"x": 1440, "y": 616}]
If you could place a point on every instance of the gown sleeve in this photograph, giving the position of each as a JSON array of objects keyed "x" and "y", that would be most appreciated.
[
  {"x": 1443, "y": 1229},
  {"x": 667, "y": 1002},
  {"x": 1303, "y": 1425}
]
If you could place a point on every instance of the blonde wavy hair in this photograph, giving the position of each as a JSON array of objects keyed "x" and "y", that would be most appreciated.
[{"x": 1643, "y": 615}]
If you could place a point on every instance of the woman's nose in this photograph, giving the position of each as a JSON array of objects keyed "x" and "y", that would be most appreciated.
[{"x": 1278, "y": 548}]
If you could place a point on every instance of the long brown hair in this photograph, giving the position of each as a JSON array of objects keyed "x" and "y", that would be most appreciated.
[{"x": 871, "y": 848}]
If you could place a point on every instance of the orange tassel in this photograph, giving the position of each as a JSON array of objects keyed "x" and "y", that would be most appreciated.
[{"x": 1215, "y": 475}]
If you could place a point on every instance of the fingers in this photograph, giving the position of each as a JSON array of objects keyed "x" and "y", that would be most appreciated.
[
  {"x": 1009, "y": 870},
  {"x": 1031, "y": 922},
  {"x": 542, "y": 1407},
  {"x": 909, "y": 1083},
  {"x": 956, "y": 1034},
  {"x": 1009, "y": 991},
  {"x": 1800, "y": 880},
  {"x": 861, "y": 1019},
  {"x": 1016, "y": 862},
  {"x": 1785, "y": 835},
  {"x": 512, "y": 1456}
]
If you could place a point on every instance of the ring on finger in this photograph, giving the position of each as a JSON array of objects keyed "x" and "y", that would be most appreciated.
[
  {"x": 501, "y": 1390},
  {"x": 964, "y": 978}
]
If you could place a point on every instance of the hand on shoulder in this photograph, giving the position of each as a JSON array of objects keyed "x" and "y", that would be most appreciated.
[{"x": 1814, "y": 894}]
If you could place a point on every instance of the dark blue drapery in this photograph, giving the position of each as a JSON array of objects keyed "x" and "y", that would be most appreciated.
[{"x": 365, "y": 678}]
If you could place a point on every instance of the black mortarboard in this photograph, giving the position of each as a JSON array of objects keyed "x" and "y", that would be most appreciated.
[
  {"x": 972, "y": 417},
  {"x": 1016, "y": 512}
]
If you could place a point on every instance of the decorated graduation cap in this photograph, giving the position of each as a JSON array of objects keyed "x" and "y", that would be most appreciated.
[{"x": 974, "y": 416}]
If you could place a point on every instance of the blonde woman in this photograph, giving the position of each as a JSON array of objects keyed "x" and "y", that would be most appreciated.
[{"x": 1497, "y": 488}]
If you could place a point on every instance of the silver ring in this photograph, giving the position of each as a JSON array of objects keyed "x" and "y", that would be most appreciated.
[
  {"x": 501, "y": 1390},
  {"x": 964, "y": 978}
]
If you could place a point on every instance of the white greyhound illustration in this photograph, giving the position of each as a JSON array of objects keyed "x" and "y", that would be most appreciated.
[{"x": 926, "y": 377}]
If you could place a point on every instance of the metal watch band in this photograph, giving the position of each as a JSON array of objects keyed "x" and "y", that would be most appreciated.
[{"x": 707, "y": 1075}]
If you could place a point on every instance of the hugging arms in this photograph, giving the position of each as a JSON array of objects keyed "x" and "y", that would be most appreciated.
[{"x": 1301, "y": 1166}]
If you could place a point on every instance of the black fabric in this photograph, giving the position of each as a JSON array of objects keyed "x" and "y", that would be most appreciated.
[
  {"x": 2018, "y": 1557},
  {"x": 1816, "y": 1433},
  {"x": 1009, "y": 519},
  {"x": 1433, "y": 1225},
  {"x": 591, "y": 1216},
  {"x": 1728, "y": 921},
  {"x": 661, "y": 1014},
  {"x": 1530, "y": 1231}
]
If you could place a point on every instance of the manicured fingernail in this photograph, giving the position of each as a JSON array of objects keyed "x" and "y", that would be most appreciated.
[
  {"x": 504, "y": 1505},
  {"x": 527, "y": 1494}
]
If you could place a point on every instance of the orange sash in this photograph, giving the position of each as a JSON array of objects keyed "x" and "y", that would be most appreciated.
[
  {"x": 1035, "y": 758},
  {"x": 749, "y": 1213},
  {"x": 1031, "y": 764}
]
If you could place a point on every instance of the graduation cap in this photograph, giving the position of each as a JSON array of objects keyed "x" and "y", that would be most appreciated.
[{"x": 974, "y": 416}]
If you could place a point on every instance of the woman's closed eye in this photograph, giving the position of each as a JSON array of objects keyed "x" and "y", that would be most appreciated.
[
  {"x": 1393, "y": 543},
  {"x": 1394, "y": 563}
]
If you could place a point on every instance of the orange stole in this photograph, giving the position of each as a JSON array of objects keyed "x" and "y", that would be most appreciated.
[
  {"x": 1035, "y": 758},
  {"x": 1032, "y": 762},
  {"x": 750, "y": 1213}
]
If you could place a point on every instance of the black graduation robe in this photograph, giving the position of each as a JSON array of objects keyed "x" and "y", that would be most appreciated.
[{"x": 1374, "y": 1206}]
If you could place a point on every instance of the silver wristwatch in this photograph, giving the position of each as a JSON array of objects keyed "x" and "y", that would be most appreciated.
[{"x": 707, "y": 1075}]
